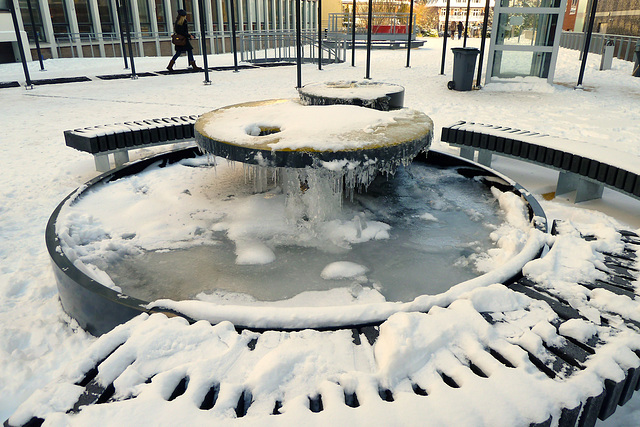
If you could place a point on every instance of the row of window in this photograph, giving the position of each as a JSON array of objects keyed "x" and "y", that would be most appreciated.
[
  {"x": 60, "y": 17},
  {"x": 462, "y": 12},
  {"x": 107, "y": 13}
]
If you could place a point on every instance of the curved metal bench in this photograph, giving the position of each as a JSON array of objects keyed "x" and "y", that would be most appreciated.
[
  {"x": 119, "y": 138},
  {"x": 578, "y": 171}
]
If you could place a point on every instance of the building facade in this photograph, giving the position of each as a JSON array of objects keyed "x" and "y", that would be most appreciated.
[
  {"x": 620, "y": 17},
  {"x": 91, "y": 28}
]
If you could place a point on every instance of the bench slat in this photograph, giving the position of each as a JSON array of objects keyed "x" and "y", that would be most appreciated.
[{"x": 118, "y": 138}]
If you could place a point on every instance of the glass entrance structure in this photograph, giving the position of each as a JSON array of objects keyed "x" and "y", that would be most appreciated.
[{"x": 525, "y": 38}]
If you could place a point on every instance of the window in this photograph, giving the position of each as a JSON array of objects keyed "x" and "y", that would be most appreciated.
[
  {"x": 245, "y": 11},
  {"x": 161, "y": 18},
  {"x": 509, "y": 64},
  {"x": 188, "y": 6},
  {"x": 145, "y": 18},
  {"x": 59, "y": 19},
  {"x": 526, "y": 29},
  {"x": 83, "y": 15},
  {"x": 279, "y": 13},
  {"x": 37, "y": 20},
  {"x": 214, "y": 14},
  {"x": 271, "y": 20},
  {"x": 106, "y": 17},
  {"x": 226, "y": 16}
]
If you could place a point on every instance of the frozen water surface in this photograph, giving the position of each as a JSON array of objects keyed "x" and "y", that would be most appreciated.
[{"x": 427, "y": 222}]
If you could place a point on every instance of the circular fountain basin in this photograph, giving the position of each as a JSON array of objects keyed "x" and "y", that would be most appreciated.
[
  {"x": 287, "y": 133},
  {"x": 98, "y": 307},
  {"x": 376, "y": 95}
]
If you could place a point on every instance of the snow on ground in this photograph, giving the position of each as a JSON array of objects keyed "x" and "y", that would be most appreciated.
[{"x": 38, "y": 170}]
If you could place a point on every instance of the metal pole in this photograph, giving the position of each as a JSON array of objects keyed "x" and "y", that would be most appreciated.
[
  {"x": 298, "y": 46},
  {"x": 319, "y": 34},
  {"x": 23, "y": 59},
  {"x": 369, "y": 23},
  {"x": 234, "y": 47},
  {"x": 203, "y": 41},
  {"x": 35, "y": 34},
  {"x": 446, "y": 36},
  {"x": 466, "y": 24},
  {"x": 587, "y": 42},
  {"x": 129, "y": 46},
  {"x": 485, "y": 23},
  {"x": 124, "y": 55},
  {"x": 410, "y": 33},
  {"x": 353, "y": 35}
]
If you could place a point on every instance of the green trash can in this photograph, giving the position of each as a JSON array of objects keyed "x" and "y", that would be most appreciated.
[{"x": 464, "y": 65}]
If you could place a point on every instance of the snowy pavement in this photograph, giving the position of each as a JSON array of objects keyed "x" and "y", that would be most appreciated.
[{"x": 38, "y": 339}]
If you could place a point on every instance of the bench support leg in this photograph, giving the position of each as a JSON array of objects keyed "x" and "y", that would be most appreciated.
[
  {"x": 588, "y": 191},
  {"x": 484, "y": 157},
  {"x": 102, "y": 162},
  {"x": 121, "y": 157},
  {"x": 467, "y": 153},
  {"x": 567, "y": 182}
]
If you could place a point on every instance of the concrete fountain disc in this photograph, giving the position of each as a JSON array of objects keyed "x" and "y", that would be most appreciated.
[
  {"x": 286, "y": 133},
  {"x": 376, "y": 95}
]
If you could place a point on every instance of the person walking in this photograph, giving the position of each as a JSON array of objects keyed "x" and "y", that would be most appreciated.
[
  {"x": 181, "y": 27},
  {"x": 460, "y": 28}
]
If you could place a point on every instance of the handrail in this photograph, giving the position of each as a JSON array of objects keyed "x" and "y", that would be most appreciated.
[{"x": 280, "y": 45}]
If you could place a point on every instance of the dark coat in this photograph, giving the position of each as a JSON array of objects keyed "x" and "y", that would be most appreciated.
[{"x": 183, "y": 30}]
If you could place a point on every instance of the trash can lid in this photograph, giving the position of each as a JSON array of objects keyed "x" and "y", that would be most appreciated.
[{"x": 465, "y": 50}]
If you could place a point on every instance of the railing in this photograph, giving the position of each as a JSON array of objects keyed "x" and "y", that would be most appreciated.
[
  {"x": 624, "y": 45},
  {"x": 252, "y": 45},
  {"x": 93, "y": 44},
  {"x": 281, "y": 46},
  {"x": 384, "y": 26},
  {"x": 89, "y": 43}
]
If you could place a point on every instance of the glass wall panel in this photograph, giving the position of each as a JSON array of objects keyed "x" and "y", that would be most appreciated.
[
  {"x": 161, "y": 18},
  {"x": 59, "y": 19},
  {"x": 269, "y": 18},
  {"x": 37, "y": 20},
  {"x": 509, "y": 64},
  {"x": 188, "y": 6},
  {"x": 105, "y": 13},
  {"x": 526, "y": 29},
  {"x": 226, "y": 17},
  {"x": 292, "y": 13},
  {"x": 145, "y": 18},
  {"x": 214, "y": 14},
  {"x": 530, "y": 3},
  {"x": 83, "y": 15},
  {"x": 245, "y": 11}
]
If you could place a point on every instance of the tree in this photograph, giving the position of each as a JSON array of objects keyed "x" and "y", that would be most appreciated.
[
  {"x": 426, "y": 16},
  {"x": 384, "y": 11}
]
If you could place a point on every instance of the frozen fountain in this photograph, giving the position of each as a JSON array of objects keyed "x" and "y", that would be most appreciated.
[{"x": 324, "y": 214}]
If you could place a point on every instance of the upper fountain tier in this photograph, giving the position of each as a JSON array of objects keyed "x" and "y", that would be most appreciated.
[{"x": 286, "y": 133}]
